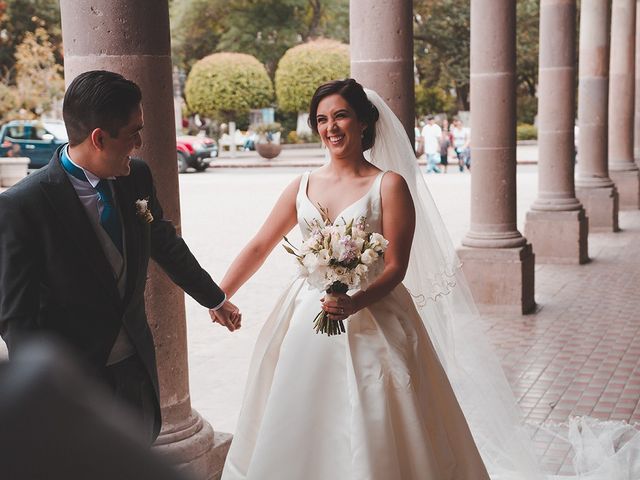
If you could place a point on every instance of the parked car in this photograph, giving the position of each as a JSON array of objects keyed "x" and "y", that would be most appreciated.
[
  {"x": 195, "y": 151},
  {"x": 35, "y": 139},
  {"x": 38, "y": 140}
]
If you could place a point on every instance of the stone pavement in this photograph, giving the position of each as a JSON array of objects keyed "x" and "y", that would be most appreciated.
[{"x": 578, "y": 354}]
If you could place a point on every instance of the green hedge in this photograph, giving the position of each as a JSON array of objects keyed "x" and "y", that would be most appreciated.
[
  {"x": 302, "y": 69},
  {"x": 526, "y": 131},
  {"x": 224, "y": 85}
]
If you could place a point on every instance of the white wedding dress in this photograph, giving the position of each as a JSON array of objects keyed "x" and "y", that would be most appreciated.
[{"x": 371, "y": 404}]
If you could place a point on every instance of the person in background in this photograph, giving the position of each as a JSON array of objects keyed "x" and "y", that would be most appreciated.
[
  {"x": 445, "y": 144},
  {"x": 460, "y": 136},
  {"x": 432, "y": 134}
]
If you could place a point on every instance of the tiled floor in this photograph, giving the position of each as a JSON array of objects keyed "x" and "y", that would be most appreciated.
[{"x": 579, "y": 354}]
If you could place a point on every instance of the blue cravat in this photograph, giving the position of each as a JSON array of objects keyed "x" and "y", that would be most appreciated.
[{"x": 109, "y": 218}]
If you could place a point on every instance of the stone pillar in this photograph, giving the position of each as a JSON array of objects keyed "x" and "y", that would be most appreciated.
[
  {"x": 636, "y": 130},
  {"x": 595, "y": 190},
  {"x": 497, "y": 260},
  {"x": 622, "y": 167},
  {"x": 381, "y": 45},
  {"x": 122, "y": 36},
  {"x": 556, "y": 208}
]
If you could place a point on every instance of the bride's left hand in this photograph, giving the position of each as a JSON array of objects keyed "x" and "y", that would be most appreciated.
[{"x": 339, "y": 306}]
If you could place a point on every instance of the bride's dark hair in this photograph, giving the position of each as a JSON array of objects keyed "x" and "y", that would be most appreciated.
[{"x": 356, "y": 97}]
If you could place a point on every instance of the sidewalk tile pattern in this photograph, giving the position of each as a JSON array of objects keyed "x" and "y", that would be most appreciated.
[{"x": 579, "y": 353}]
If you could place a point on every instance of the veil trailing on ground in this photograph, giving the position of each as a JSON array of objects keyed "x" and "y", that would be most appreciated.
[{"x": 603, "y": 450}]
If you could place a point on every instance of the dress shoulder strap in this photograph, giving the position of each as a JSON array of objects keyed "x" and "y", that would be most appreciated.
[
  {"x": 378, "y": 181},
  {"x": 304, "y": 180}
]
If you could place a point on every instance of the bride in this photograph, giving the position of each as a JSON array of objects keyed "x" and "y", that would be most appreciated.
[{"x": 412, "y": 390}]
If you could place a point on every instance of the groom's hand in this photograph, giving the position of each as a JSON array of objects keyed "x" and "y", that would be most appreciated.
[{"x": 228, "y": 315}]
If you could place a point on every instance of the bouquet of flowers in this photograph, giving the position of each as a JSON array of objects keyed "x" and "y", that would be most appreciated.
[{"x": 338, "y": 258}]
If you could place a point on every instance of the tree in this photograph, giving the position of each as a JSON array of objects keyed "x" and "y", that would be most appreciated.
[
  {"x": 303, "y": 68},
  {"x": 8, "y": 102},
  {"x": 39, "y": 82},
  {"x": 224, "y": 85},
  {"x": 196, "y": 28},
  {"x": 442, "y": 47},
  {"x": 20, "y": 17},
  {"x": 263, "y": 28},
  {"x": 268, "y": 28},
  {"x": 433, "y": 100}
]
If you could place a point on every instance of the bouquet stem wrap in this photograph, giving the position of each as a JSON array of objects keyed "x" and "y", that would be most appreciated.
[{"x": 322, "y": 323}]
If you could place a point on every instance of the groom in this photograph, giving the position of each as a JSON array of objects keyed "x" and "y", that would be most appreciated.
[{"x": 75, "y": 242}]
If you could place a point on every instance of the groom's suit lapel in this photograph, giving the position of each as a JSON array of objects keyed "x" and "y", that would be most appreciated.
[{"x": 77, "y": 227}]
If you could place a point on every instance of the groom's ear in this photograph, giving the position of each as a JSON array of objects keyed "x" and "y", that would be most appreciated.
[{"x": 97, "y": 138}]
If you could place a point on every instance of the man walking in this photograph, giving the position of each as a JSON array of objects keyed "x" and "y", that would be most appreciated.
[
  {"x": 431, "y": 134},
  {"x": 75, "y": 242}
]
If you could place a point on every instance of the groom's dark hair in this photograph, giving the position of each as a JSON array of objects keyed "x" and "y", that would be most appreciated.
[
  {"x": 98, "y": 99},
  {"x": 356, "y": 97}
]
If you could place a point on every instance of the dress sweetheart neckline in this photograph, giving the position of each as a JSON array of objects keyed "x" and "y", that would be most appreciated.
[{"x": 368, "y": 192}]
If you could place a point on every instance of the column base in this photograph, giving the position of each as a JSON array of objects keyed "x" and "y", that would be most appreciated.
[
  {"x": 601, "y": 207},
  {"x": 501, "y": 279},
  {"x": 195, "y": 448},
  {"x": 628, "y": 186},
  {"x": 558, "y": 236}
]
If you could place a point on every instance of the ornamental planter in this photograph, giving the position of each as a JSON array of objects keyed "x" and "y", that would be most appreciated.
[
  {"x": 12, "y": 170},
  {"x": 268, "y": 150}
]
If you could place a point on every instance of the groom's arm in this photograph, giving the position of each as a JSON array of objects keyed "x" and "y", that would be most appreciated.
[
  {"x": 19, "y": 284},
  {"x": 171, "y": 252}
]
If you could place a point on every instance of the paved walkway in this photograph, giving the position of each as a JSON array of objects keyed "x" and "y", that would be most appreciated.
[{"x": 578, "y": 354}]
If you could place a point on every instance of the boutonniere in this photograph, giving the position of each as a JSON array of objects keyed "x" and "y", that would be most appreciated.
[{"x": 142, "y": 210}]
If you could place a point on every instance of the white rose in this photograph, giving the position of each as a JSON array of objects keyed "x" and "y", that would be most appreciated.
[
  {"x": 368, "y": 256},
  {"x": 318, "y": 279},
  {"x": 310, "y": 262},
  {"x": 323, "y": 257},
  {"x": 378, "y": 240},
  {"x": 361, "y": 270}
]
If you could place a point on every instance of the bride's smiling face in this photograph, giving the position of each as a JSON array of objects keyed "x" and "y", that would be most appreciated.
[{"x": 339, "y": 127}]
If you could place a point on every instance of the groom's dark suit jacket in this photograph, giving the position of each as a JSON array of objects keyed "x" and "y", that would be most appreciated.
[{"x": 55, "y": 278}]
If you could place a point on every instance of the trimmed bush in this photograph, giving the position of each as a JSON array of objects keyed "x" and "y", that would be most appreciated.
[
  {"x": 526, "y": 132},
  {"x": 225, "y": 85},
  {"x": 302, "y": 69}
]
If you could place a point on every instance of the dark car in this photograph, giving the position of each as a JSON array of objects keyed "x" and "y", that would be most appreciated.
[
  {"x": 35, "y": 139},
  {"x": 195, "y": 152}
]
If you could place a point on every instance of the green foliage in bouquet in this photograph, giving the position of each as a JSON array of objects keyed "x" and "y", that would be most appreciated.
[
  {"x": 305, "y": 67},
  {"x": 225, "y": 85}
]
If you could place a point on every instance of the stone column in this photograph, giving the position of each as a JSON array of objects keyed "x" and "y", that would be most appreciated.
[
  {"x": 122, "y": 36},
  {"x": 622, "y": 167},
  {"x": 636, "y": 130},
  {"x": 595, "y": 190},
  {"x": 497, "y": 260},
  {"x": 381, "y": 45},
  {"x": 556, "y": 208}
]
